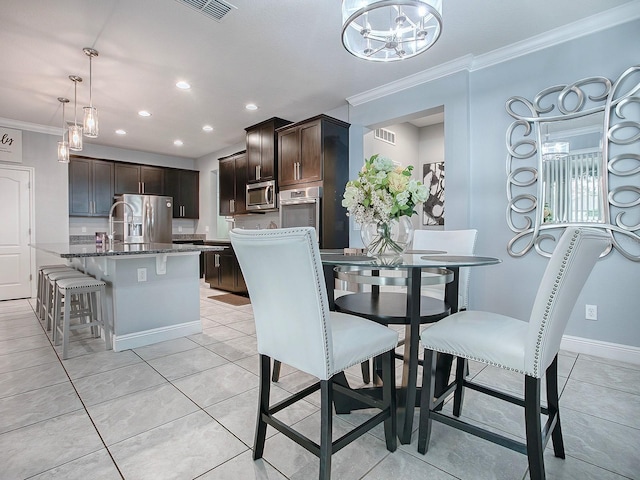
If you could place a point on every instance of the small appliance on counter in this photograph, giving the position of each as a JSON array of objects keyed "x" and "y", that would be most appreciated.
[{"x": 151, "y": 222}]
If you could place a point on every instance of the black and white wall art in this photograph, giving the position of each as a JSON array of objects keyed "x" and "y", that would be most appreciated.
[{"x": 433, "y": 207}]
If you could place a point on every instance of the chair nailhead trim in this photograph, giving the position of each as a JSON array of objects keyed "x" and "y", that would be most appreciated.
[{"x": 550, "y": 303}]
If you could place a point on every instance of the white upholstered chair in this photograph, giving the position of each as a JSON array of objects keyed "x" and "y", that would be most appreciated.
[
  {"x": 529, "y": 348},
  {"x": 453, "y": 242},
  {"x": 285, "y": 279}
]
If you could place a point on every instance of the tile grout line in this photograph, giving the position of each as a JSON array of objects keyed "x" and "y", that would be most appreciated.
[{"x": 79, "y": 398}]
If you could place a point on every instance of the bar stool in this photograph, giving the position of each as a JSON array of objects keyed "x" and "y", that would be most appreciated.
[
  {"x": 52, "y": 278},
  {"x": 70, "y": 289},
  {"x": 40, "y": 287}
]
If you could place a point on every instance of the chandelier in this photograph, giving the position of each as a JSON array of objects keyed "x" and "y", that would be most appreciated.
[{"x": 390, "y": 30}]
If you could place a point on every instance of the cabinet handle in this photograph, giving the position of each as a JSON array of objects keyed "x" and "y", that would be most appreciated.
[
  {"x": 257, "y": 172},
  {"x": 216, "y": 260},
  {"x": 232, "y": 205}
]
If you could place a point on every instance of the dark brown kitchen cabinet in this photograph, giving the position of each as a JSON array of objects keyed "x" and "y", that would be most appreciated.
[
  {"x": 262, "y": 150},
  {"x": 308, "y": 149},
  {"x": 184, "y": 187},
  {"x": 232, "y": 181},
  {"x": 222, "y": 270},
  {"x": 90, "y": 187},
  {"x": 131, "y": 178}
]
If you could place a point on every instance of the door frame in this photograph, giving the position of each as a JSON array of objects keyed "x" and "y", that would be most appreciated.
[{"x": 32, "y": 222}]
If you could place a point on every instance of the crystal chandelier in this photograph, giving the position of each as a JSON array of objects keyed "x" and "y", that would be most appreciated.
[
  {"x": 63, "y": 146},
  {"x": 90, "y": 123},
  {"x": 75, "y": 130},
  {"x": 390, "y": 30}
]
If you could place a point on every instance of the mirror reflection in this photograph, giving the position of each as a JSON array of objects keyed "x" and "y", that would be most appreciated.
[{"x": 572, "y": 170}]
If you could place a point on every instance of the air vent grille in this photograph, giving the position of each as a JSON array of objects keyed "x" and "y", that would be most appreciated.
[
  {"x": 215, "y": 9},
  {"x": 385, "y": 135}
]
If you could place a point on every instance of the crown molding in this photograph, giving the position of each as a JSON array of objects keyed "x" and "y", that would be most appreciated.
[
  {"x": 580, "y": 28},
  {"x": 602, "y": 21},
  {"x": 443, "y": 70},
  {"x": 30, "y": 127}
]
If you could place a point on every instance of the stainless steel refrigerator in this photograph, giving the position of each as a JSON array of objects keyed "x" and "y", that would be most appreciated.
[{"x": 149, "y": 220}]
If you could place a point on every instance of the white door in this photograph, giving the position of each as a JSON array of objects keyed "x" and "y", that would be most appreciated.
[{"x": 15, "y": 224}]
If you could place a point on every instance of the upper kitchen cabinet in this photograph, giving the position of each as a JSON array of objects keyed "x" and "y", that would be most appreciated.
[
  {"x": 132, "y": 178},
  {"x": 232, "y": 180},
  {"x": 90, "y": 187},
  {"x": 309, "y": 150},
  {"x": 262, "y": 150},
  {"x": 184, "y": 187}
]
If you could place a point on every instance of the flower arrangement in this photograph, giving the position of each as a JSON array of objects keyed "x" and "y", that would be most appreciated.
[
  {"x": 380, "y": 197},
  {"x": 382, "y": 192}
]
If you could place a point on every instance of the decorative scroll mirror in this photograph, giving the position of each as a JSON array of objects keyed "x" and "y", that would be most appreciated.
[{"x": 574, "y": 159}]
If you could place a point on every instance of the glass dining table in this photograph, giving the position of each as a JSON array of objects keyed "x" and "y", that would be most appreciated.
[{"x": 413, "y": 269}]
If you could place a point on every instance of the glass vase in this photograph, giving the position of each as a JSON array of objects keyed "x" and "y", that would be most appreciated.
[{"x": 390, "y": 238}]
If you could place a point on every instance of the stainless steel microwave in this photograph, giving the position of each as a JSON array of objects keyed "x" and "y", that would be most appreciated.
[{"x": 261, "y": 196}]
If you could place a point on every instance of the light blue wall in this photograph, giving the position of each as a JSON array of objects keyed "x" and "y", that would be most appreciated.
[{"x": 475, "y": 156}]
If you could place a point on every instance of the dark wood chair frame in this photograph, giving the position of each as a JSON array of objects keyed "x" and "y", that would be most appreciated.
[
  {"x": 327, "y": 447},
  {"x": 537, "y": 435}
]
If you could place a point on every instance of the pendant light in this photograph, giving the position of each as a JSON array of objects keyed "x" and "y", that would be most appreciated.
[
  {"x": 75, "y": 130},
  {"x": 90, "y": 122},
  {"x": 63, "y": 146}
]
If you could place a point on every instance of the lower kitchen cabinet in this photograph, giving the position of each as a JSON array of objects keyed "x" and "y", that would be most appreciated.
[{"x": 222, "y": 270}]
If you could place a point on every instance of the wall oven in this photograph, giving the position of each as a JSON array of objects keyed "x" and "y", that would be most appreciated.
[
  {"x": 301, "y": 208},
  {"x": 261, "y": 196}
]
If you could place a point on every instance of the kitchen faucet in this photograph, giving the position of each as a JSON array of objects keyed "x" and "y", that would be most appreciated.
[{"x": 112, "y": 221}]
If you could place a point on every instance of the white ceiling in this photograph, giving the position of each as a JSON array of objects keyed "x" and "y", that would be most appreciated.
[{"x": 284, "y": 55}]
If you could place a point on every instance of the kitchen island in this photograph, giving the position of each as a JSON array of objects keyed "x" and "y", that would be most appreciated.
[{"x": 152, "y": 288}]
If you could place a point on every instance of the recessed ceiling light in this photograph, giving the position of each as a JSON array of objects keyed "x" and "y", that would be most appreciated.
[
  {"x": 183, "y": 85},
  {"x": 121, "y": 132},
  {"x": 251, "y": 106},
  {"x": 178, "y": 143},
  {"x": 207, "y": 128},
  {"x": 144, "y": 113}
]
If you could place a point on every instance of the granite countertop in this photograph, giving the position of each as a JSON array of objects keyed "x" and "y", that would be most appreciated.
[{"x": 65, "y": 250}]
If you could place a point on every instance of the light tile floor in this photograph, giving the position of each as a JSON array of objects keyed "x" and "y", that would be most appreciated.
[{"x": 186, "y": 409}]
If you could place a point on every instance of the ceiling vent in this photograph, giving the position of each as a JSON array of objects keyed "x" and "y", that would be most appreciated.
[
  {"x": 385, "y": 135},
  {"x": 215, "y": 9}
]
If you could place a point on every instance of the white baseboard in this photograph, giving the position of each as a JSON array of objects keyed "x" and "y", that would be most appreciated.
[
  {"x": 155, "y": 335},
  {"x": 612, "y": 351}
]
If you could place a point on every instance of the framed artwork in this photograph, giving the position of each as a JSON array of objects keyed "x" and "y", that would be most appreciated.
[{"x": 433, "y": 179}]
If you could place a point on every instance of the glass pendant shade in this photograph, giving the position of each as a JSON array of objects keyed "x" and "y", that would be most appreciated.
[
  {"x": 90, "y": 122},
  {"x": 390, "y": 30},
  {"x": 63, "y": 146},
  {"x": 75, "y": 137},
  {"x": 75, "y": 130},
  {"x": 63, "y": 152}
]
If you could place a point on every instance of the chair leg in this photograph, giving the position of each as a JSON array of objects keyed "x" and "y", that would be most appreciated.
[
  {"x": 326, "y": 428},
  {"x": 366, "y": 376},
  {"x": 389, "y": 399},
  {"x": 276, "y": 371},
  {"x": 462, "y": 367},
  {"x": 426, "y": 399},
  {"x": 66, "y": 322},
  {"x": 554, "y": 408},
  {"x": 533, "y": 427},
  {"x": 263, "y": 407}
]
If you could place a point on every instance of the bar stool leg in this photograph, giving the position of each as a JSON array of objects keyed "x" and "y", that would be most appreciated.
[{"x": 66, "y": 323}]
